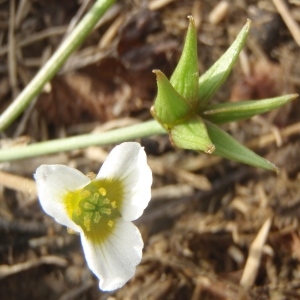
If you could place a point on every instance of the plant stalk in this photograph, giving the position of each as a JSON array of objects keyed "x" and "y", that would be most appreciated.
[
  {"x": 52, "y": 66},
  {"x": 81, "y": 141}
]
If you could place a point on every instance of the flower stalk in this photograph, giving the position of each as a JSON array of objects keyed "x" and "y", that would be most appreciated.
[{"x": 82, "y": 141}]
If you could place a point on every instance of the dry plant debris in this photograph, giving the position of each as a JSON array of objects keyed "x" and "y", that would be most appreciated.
[{"x": 205, "y": 223}]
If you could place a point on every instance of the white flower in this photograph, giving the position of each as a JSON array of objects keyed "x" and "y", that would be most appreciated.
[{"x": 101, "y": 210}]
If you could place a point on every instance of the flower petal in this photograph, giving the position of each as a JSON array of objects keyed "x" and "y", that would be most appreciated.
[
  {"x": 53, "y": 182},
  {"x": 128, "y": 164},
  {"x": 114, "y": 259}
]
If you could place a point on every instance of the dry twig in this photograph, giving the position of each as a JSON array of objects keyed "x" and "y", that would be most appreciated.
[
  {"x": 255, "y": 253},
  {"x": 18, "y": 183},
  {"x": 288, "y": 19},
  {"x": 6, "y": 270}
]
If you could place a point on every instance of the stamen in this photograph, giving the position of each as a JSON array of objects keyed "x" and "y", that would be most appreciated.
[
  {"x": 97, "y": 217},
  {"x": 71, "y": 231},
  {"x": 102, "y": 191},
  {"x": 89, "y": 206},
  {"x": 106, "y": 201},
  {"x": 106, "y": 211},
  {"x": 92, "y": 205},
  {"x": 87, "y": 221},
  {"x": 110, "y": 223},
  {"x": 91, "y": 175},
  {"x": 85, "y": 194},
  {"x": 96, "y": 197}
]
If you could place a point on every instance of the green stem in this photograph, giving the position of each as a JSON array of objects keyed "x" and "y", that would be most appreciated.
[
  {"x": 82, "y": 141},
  {"x": 70, "y": 44}
]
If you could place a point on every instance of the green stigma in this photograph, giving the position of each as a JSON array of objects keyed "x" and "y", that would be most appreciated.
[{"x": 96, "y": 206}]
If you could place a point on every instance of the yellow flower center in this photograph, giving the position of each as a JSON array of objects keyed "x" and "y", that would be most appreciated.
[{"x": 95, "y": 207}]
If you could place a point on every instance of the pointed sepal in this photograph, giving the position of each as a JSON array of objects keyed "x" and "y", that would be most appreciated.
[
  {"x": 215, "y": 76},
  {"x": 192, "y": 135},
  {"x": 231, "y": 112},
  {"x": 230, "y": 148},
  {"x": 170, "y": 107},
  {"x": 185, "y": 77}
]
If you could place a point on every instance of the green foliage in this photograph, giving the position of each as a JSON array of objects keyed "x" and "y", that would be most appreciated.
[
  {"x": 192, "y": 135},
  {"x": 170, "y": 108},
  {"x": 215, "y": 76},
  {"x": 230, "y": 112},
  {"x": 182, "y": 108},
  {"x": 230, "y": 148},
  {"x": 185, "y": 77}
]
